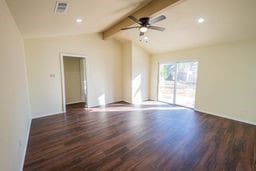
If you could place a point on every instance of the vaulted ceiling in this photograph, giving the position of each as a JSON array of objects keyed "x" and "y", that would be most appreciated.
[
  {"x": 36, "y": 18},
  {"x": 225, "y": 21}
]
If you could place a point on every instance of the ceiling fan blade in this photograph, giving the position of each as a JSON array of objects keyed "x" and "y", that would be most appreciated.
[
  {"x": 157, "y": 28},
  {"x": 134, "y": 19},
  {"x": 157, "y": 19},
  {"x": 141, "y": 33},
  {"x": 127, "y": 28}
]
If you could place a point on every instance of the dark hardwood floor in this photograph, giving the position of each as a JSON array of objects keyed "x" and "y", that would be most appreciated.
[{"x": 151, "y": 137}]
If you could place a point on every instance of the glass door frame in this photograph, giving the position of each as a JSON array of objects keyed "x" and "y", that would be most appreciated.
[
  {"x": 158, "y": 81},
  {"x": 175, "y": 80}
]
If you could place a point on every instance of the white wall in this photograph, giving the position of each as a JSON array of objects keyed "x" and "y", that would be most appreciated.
[
  {"x": 226, "y": 78},
  {"x": 103, "y": 62},
  {"x": 72, "y": 74},
  {"x": 14, "y": 101},
  {"x": 127, "y": 71},
  {"x": 136, "y": 69},
  {"x": 140, "y": 74}
]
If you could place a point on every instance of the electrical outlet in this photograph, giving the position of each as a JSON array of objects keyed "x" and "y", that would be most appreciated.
[{"x": 52, "y": 75}]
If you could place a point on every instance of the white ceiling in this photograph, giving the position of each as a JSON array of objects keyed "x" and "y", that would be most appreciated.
[
  {"x": 36, "y": 18},
  {"x": 225, "y": 21}
]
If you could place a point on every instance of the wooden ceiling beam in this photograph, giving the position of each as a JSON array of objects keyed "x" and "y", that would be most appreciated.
[{"x": 151, "y": 8}]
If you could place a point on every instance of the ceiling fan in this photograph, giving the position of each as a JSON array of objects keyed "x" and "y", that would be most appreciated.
[{"x": 145, "y": 23}]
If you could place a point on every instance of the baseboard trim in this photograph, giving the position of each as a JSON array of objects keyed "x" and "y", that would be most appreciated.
[
  {"x": 48, "y": 114},
  {"x": 25, "y": 144},
  {"x": 74, "y": 102},
  {"x": 120, "y": 101},
  {"x": 61, "y": 112},
  {"x": 227, "y": 117}
]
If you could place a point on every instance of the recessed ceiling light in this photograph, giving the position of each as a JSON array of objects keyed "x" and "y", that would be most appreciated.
[
  {"x": 200, "y": 20},
  {"x": 79, "y": 20}
]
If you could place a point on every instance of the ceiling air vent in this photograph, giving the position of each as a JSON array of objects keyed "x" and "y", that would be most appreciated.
[{"x": 61, "y": 7}]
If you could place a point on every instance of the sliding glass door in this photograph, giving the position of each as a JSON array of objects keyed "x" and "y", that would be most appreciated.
[
  {"x": 186, "y": 84},
  {"x": 177, "y": 83},
  {"x": 166, "y": 84}
]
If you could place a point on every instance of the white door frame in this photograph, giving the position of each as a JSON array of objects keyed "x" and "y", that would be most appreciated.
[{"x": 81, "y": 56}]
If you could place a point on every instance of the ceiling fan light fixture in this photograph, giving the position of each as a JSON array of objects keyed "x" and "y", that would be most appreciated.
[
  {"x": 145, "y": 38},
  {"x": 145, "y": 23},
  {"x": 143, "y": 29}
]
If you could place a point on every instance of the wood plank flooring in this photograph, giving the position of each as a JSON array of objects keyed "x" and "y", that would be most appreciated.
[{"x": 148, "y": 137}]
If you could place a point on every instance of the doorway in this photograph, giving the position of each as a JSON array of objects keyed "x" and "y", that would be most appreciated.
[
  {"x": 177, "y": 83},
  {"x": 74, "y": 84}
]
